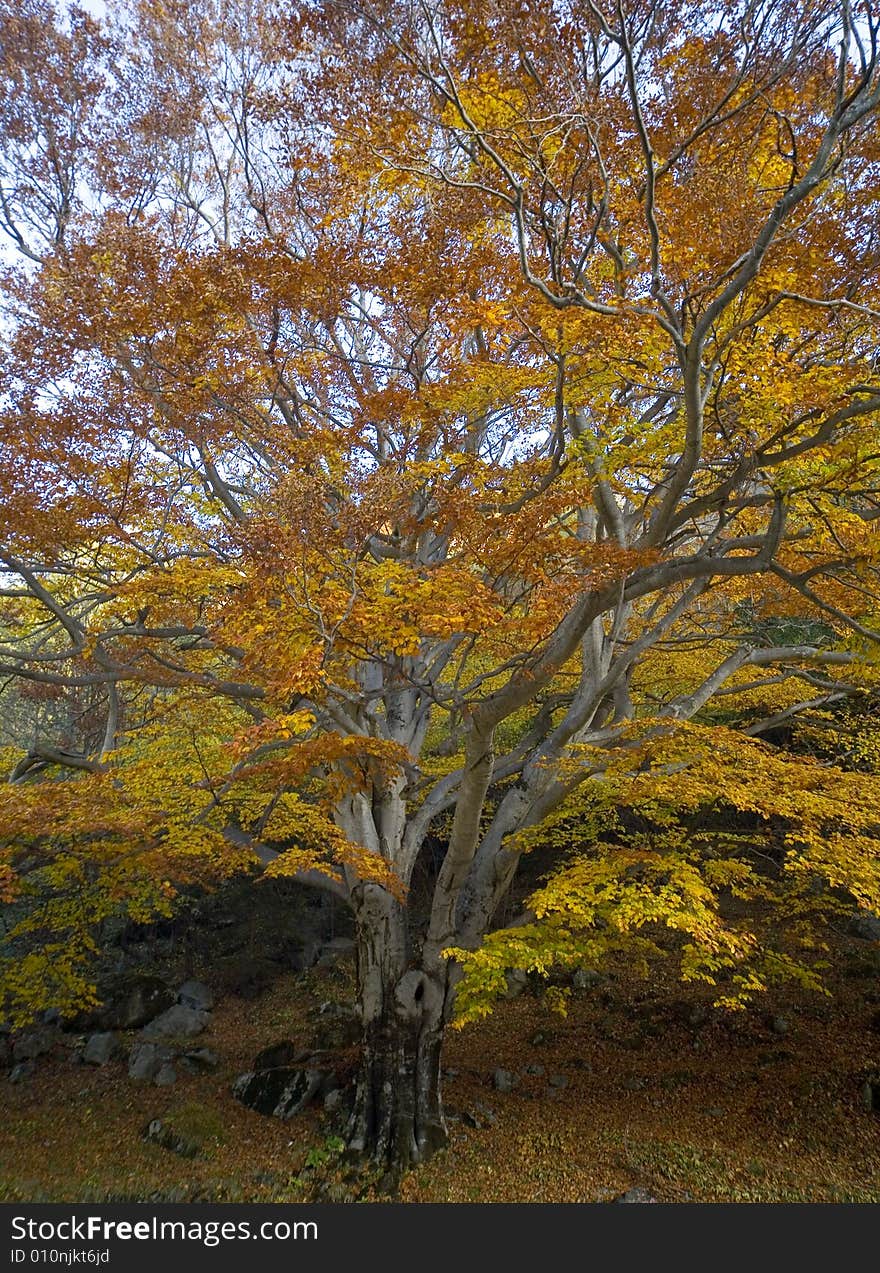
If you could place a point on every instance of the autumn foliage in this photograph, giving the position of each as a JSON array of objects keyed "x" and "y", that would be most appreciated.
[{"x": 440, "y": 419}]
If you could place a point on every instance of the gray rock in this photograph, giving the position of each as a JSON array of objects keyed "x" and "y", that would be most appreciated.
[
  {"x": 635, "y": 1195},
  {"x": 102, "y": 1048},
  {"x": 135, "y": 1002},
  {"x": 300, "y": 1092},
  {"x": 779, "y": 1025},
  {"x": 195, "y": 994},
  {"x": 558, "y": 1080},
  {"x": 22, "y": 1072},
  {"x": 479, "y": 1116},
  {"x": 865, "y": 925},
  {"x": 166, "y": 1075},
  {"x": 279, "y": 1093},
  {"x": 159, "y": 1133},
  {"x": 177, "y": 1022},
  {"x": 34, "y": 1043},
  {"x": 586, "y": 978},
  {"x": 536, "y": 1070},
  {"x": 284, "y": 1052},
  {"x": 329, "y": 1081},
  {"x": 333, "y": 1100},
  {"x": 337, "y": 1026},
  {"x": 542, "y": 1038},
  {"x": 246, "y": 976},
  {"x": 200, "y": 1060},
  {"x": 503, "y": 1080},
  {"x": 146, "y": 1060},
  {"x": 517, "y": 980}
]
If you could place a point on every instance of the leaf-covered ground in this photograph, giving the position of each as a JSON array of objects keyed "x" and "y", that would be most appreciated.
[{"x": 658, "y": 1092}]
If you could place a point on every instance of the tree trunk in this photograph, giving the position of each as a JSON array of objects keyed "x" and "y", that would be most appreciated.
[{"x": 397, "y": 1120}]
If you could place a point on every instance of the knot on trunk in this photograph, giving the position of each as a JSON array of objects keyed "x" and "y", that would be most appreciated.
[{"x": 417, "y": 995}]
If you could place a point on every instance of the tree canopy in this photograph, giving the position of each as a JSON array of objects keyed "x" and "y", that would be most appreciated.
[{"x": 434, "y": 419}]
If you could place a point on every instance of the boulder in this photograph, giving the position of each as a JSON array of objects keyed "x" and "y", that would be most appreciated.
[
  {"x": 159, "y": 1133},
  {"x": 200, "y": 1060},
  {"x": 337, "y": 1026},
  {"x": 33, "y": 1043},
  {"x": 865, "y": 925},
  {"x": 166, "y": 1075},
  {"x": 245, "y": 976},
  {"x": 284, "y": 1052},
  {"x": 22, "y": 1072},
  {"x": 543, "y": 1038},
  {"x": 261, "y": 1090},
  {"x": 146, "y": 1060},
  {"x": 333, "y": 1100},
  {"x": 177, "y": 1022},
  {"x": 195, "y": 994},
  {"x": 503, "y": 1080},
  {"x": 635, "y": 1195},
  {"x": 517, "y": 980},
  {"x": 282, "y": 1092},
  {"x": 102, "y": 1048},
  {"x": 479, "y": 1116},
  {"x": 135, "y": 1002},
  {"x": 301, "y": 1091},
  {"x": 586, "y": 978}
]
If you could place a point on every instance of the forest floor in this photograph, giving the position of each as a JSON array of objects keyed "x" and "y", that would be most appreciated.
[{"x": 643, "y": 1085}]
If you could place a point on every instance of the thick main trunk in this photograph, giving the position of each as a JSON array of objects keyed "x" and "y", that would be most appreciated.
[
  {"x": 398, "y": 1115},
  {"x": 397, "y": 1119}
]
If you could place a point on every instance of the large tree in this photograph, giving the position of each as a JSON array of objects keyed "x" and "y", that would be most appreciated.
[{"x": 419, "y": 419}]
